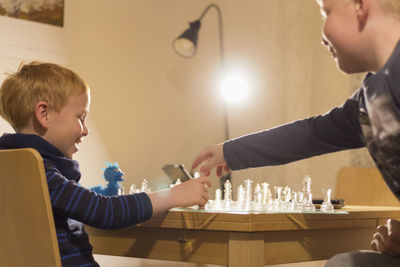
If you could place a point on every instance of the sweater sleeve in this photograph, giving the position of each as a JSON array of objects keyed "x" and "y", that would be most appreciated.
[
  {"x": 339, "y": 129},
  {"x": 71, "y": 200}
]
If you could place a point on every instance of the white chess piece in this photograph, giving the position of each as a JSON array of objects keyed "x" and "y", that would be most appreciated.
[
  {"x": 300, "y": 201},
  {"x": 120, "y": 191},
  {"x": 257, "y": 189},
  {"x": 308, "y": 204},
  {"x": 178, "y": 181},
  {"x": 218, "y": 203},
  {"x": 145, "y": 186},
  {"x": 278, "y": 197},
  {"x": 306, "y": 185},
  {"x": 286, "y": 196},
  {"x": 327, "y": 204},
  {"x": 258, "y": 201},
  {"x": 239, "y": 205},
  {"x": 228, "y": 194},
  {"x": 247, "y": 194},
  {"x": 265, "y": 188},
  {"x": 293, "y": 202},
  {"x": 228, "y": 191},
  {"x": 132, "y": 189}
]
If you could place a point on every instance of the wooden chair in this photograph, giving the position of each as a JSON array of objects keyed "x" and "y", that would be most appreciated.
[
  {"x": 27, "y": 231},
  {"x": 364, "y": 186}
]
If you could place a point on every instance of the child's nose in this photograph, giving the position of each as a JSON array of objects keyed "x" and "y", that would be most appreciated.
[{"x": 85, "y": 131}]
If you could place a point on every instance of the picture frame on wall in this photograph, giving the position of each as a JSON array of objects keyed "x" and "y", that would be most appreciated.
[{"x": 42, "y": 11}]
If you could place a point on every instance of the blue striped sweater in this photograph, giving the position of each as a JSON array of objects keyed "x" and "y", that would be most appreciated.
[{"x": 74, "y": 205}]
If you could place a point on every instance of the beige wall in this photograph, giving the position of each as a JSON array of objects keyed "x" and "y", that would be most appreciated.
[{"x": 151, "y": 107}]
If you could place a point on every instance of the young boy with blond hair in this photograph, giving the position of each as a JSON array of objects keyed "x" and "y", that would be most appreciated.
[
  {"x": 363, "y": 36},
  {"x": 47, "y": 105}
]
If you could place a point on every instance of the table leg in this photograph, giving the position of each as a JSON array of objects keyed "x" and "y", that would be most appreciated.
[{"x": 246, "y": 249}]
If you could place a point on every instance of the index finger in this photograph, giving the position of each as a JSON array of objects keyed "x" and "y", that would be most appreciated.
[{"x": 205, "y": 154}]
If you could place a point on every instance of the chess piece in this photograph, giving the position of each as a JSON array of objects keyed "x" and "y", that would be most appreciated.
[
  {"x": 132, "y": 189},
  {"x": 327, "y": 204},
  {"x": 218, "y": 203},
  {"x": 293, "y": 202},
  {"x": 209, "y": 204},
  {"x": 286, "y": 196},
  {"x": 228, "y": 194},
  {"x": 265, "y": 189},
  {"x": 120, "y": 191},
  {"x": 247, "y": 194},
  {"x": 227, "y": 191},
  {"x": 239, "y": 203},
  {"x": 300, "y": 201},
  {"x": 308, "y": 204},
  {"x": 178, "y": 181},
  {"x": 306, "y": 185},
  {"x": 145, "y": 186},
  {"x": 257, "y": 189},
  {"x": 278, "y": 197},
  {"x": 258, "y": 200}
]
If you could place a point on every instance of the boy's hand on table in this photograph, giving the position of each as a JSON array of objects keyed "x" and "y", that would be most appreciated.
[
  {"x": 387, "y": 239},
  {"x": 214, "y": 157},
  {"x": 192, "y": 192},
  {"x": 189, "y": 193}
]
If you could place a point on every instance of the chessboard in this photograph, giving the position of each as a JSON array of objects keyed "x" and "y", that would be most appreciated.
[{"x": 260, "y": 199}]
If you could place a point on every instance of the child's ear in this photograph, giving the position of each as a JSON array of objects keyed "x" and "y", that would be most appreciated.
[
  {"x": 41, "y": 113},
  {"x": 362, "y": 11}
]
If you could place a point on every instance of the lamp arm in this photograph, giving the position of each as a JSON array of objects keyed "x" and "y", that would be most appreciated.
[{"x": 221, "y": 35}]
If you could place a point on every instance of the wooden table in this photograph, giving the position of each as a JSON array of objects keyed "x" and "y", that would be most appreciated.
[{"x": 244, "y": 239}]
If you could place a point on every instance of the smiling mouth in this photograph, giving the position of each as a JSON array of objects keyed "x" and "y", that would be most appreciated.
[
  {"x": 333, "y": 52},
  {"x": 330, "y": 48},
  {"x": 77, "y": 144}
]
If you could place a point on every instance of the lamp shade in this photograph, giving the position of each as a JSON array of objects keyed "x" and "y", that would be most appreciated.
[{"x": 186, "y": 44}]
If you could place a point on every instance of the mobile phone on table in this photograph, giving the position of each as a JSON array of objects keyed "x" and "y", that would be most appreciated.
[{"x": 175, "y": 171}]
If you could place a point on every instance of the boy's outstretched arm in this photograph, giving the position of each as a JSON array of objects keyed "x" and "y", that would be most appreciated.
[
  {"x": 214, "y": 157},
  {"x": 189, "y": 193}
]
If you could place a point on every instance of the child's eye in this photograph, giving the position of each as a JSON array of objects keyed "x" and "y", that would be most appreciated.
[{"x": 82, "y": 118}]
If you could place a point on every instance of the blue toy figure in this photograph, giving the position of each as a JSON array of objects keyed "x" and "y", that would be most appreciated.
[{"x": 113, "y": 175}]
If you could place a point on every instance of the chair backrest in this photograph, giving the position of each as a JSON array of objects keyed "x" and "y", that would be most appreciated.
[
  {"x": 27, "y": 231},
  {"x": 364, "y": 186}
]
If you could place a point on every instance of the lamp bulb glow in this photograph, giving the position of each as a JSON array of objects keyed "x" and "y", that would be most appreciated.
[{"x": 234, "y": 88}]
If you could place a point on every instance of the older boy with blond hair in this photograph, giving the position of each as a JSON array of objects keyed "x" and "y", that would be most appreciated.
[
  {"x": 363, "y": 36},
  {"x": 47, "y": 105}
]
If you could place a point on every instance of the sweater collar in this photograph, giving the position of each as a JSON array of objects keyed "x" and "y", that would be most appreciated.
[{"x": 68, "y": 167}]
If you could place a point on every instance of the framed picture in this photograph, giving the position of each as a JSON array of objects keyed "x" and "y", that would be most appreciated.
[{"x": 43, "y": 11}]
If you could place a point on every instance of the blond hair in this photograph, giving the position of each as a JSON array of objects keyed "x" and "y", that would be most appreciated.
[
  {"x": 35, "y": 82},
  {"x": 389, "y": 6}
]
